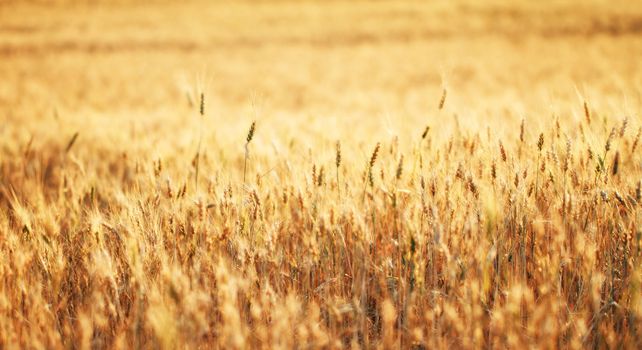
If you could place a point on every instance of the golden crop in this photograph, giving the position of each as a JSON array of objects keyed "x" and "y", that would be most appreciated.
[{"x": 320, "y": 174}]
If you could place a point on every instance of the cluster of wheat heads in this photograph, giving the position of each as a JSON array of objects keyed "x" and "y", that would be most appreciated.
[{"x": 482, "y": 240}]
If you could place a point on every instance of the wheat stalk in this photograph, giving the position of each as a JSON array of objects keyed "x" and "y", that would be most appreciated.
[
  {"x": 197, "y": 157},
  {"x": 337, "y": 163},
  {"x": 248, "y": 139},
  {"x": 370, "y": 165}
]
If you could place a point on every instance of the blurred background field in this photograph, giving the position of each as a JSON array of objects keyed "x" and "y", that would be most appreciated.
[{"x": 307, "y": 64}]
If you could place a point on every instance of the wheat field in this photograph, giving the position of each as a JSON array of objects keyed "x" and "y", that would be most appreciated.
[{"x": 320, "y": 174}]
